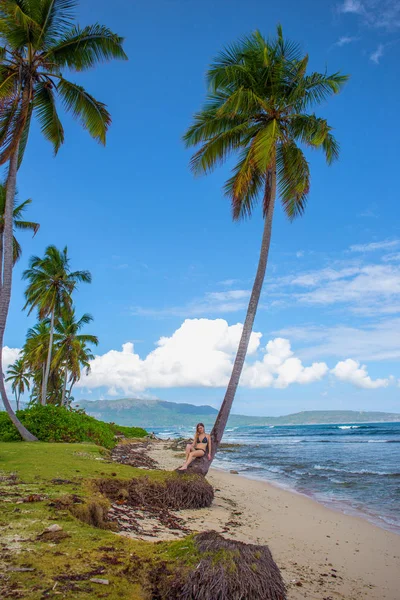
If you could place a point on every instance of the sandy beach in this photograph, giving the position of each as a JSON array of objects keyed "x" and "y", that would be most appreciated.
[{"x": 323, "y": 554}]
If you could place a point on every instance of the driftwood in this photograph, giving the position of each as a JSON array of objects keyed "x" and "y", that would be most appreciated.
[{"x": 227, "y": 570}]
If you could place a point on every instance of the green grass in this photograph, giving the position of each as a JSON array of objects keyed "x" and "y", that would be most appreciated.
[{"x": 35, "y": 465}]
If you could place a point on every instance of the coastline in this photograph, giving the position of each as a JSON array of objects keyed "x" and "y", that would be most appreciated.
[{"x": 323, "y": 554}]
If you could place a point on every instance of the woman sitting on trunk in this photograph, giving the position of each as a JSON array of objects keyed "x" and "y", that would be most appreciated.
[{"x": 201, "y": 445}]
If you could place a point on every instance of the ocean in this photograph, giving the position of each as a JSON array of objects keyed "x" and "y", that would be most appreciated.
[{"x": 351, "y": 468}]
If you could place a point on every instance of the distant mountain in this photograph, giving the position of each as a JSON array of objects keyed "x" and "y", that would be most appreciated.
[{"x": 159, "y": 413}]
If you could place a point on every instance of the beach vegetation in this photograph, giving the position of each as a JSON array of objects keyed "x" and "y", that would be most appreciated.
[{"x": 59, "y": 424}]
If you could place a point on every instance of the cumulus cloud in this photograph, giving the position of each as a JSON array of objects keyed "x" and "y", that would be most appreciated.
[
  {"x": 10, "y": 355},
  {"x": 279, "y": 368},
  {"x": 199, "y": 353},
  {"x": 350, "y": 371}
]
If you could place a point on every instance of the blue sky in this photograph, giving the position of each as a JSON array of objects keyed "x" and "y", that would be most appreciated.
[{"x": 161, "y": 245}]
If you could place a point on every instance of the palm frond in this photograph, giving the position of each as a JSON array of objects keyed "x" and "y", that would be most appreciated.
[
  {"x": 244, "y": 187},
  {"x": 217, "y": 150},
  {"x": 82, "y": 49},
  {"x": 293, "y": 175},
  {"x": 264, "y": 145},
  {"x": 46, "y": 112},
  {"x": 56, "y": 17},
  {"x": 92, "y": 114}
]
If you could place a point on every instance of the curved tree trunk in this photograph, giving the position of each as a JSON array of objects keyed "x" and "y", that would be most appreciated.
[
  {"x": 202, "y": 465},
  {"x": 5, "y": 290},
  {"x": 47, "y": 373}
]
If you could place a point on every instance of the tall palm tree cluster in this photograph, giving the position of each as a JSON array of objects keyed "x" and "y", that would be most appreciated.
[
  {"x": 259, "y": 108},
  {"x": 39, "y": 40},
  {"x": 55, "y": 352}
]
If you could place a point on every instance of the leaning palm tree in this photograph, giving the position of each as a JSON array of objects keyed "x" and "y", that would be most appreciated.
[
  {"x": 71, "y": 348},
  {"x": 18, "y": 223},
  {"x": 49, "y": 291},
  {"x": 38, "y": 40},
  {"x": 19, "y": 376},
  {"x": 258, "y": 107}
]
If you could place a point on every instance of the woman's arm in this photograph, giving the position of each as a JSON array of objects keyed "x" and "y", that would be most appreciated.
[{"x": 209, "y": 447}]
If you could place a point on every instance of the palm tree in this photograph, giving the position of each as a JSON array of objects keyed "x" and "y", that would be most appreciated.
[
  {"x": 19, "y": 375},
  {"x": 71, "y": 350},
  {"x": 18, "y": 211},
  {"x": 49, "y": 290},
  {"x": 38, "y": 40},
  {"x": 35, "y": 352},
  {"x": 258, "y": 107}
]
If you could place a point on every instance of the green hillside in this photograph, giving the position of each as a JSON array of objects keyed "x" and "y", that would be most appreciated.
[{"x": 159, "y": 413}]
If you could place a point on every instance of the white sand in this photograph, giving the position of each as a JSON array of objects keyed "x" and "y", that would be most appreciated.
[{"x": 323, "y": 554}]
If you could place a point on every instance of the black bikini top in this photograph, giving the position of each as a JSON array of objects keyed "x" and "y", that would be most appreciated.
[{"x": 203, "y": 441}]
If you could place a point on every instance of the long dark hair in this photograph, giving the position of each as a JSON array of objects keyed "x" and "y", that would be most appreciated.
[{"x": 199, "y": 425}]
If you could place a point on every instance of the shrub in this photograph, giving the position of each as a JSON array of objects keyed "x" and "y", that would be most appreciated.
[{"x": 58, "y": 424}]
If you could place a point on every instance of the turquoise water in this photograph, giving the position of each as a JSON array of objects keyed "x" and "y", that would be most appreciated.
[{"x": 353, "y": 468}]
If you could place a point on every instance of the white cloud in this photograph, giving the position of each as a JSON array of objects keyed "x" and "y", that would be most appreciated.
[
  {"x": 366, "y": 290},
  {"x": 377, "y": 54},
  {"x": 351, "y": 6},
  {"x": 279, "y": 368},
  {"x": 10, "y": 355},
  {"x": 345, "y": 40},
  {"x": 372, "y": 246},
  {"x": 393, "y": 257},
  {"x": 229, "y": 282},
  {"x": 212, "y": 303},
  {"x": 350, "y": 371},
  {"x": 199, "y": 353},
  {"x": 382, "y": 14},
  {"x": 374, "y": 342}
]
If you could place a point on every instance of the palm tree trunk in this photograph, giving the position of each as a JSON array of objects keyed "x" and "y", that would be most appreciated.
[
  {"x": 16, "y": 400},
  {"x": 64, "y": 386},
  {"x": 202, "y": 465},
  {"x": 47, "y": 373},
  {"x": 5, "y": 289},
  {"x": 1, "y": 256}
]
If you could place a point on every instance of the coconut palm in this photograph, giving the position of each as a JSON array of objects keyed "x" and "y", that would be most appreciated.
[
  {"x": 258, "y": 107},
  {"x": 35, "y": 352},
  {"x": 71, "y": 348},
  {"x": 49, "y": 290},
  {"x": 19, "y": 376},
  {"x": 18, "y": 223},
  {"x": 38, "y": 41}
]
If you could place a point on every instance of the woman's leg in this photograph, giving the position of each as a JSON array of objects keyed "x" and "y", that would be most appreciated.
[
  {"x": 191, "y": 457},
  {"x": 189, "y": 447}
]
